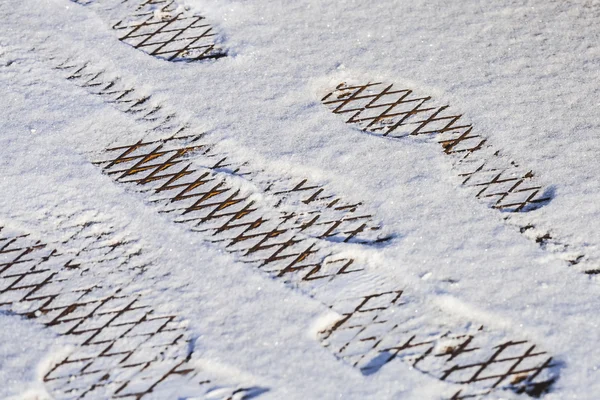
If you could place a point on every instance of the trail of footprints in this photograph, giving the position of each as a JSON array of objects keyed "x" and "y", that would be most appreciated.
[
  {"x": 385, "y": 110},
  {"x": 85, "y": 287},
  {"x": 296, "y": 233},
  {"x": 163, "y": 29},
  {"x": 297, "y": 236}
]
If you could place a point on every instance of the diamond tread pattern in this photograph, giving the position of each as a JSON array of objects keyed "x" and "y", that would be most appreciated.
[
  {"x": 294, "y": 244},
  {"x": 163, "y": 29},
  {"x": 126, "y": 349},
  {"x": 369, "y": 336},
  {"x": 385, "y": 110},
  {"x": 390, "y": 112}
]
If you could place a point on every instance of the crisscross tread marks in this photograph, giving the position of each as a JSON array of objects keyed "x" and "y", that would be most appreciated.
[
  {"x": 126, "y": 349},
  {"x": 369, "y": 334},
  {"x": 164, "y": 29},
  {"x": 384, "y": 110},
  {"x": 279, "y": 243},
  {"x": 164, "y": 127},
  {"x": 293, "y": 238},
  {"x": 389, "y": 111},
  {"x": 204, "y": 200}
]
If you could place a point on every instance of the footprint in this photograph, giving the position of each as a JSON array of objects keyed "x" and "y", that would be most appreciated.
[
  {"x": 399, "y": 113},
  {"x": 81, "y": 289},
  {"x": 391, "y": 112},
  {"x": 375, "y": 330},
  {"x": 163, "y": 29}
]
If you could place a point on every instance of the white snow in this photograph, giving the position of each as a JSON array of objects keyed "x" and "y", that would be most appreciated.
[{"x": 525, "y": 73}]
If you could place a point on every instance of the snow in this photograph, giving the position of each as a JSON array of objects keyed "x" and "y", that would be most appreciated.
[
  {"x": 24, "y": 349},
  {"x": 524, "y": 73}
]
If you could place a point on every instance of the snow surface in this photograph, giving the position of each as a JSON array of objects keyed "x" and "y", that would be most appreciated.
[{"x": 527, "y": 73}]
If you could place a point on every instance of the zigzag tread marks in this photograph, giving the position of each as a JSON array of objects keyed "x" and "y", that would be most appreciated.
[
  {"x": 203, "y": 200},
  {"x": 386, "y": 110},
  {"x": 168, "y": 31},
  {"x": 382, "y": 109},
  {"x": 373, "y": 331},
  {"x": 209, "y": 204},
  {"x": 126, "y": 349},
  {"x": 184, "y": 189},
  {"x": 324, "y": 215}
]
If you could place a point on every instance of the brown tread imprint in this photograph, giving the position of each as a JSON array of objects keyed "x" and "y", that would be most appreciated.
[
  {"x": 396, "y": 112},
  {"x": 298, "y": 244},
  {"x": 165, "y": 29},
  {"x": 126, "y": 349},
  {"x": 384, "y": 110}
]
